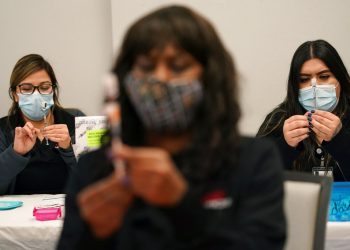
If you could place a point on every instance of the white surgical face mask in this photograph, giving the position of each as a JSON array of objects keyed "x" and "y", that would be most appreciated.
[{"x": 321, "y": 97}]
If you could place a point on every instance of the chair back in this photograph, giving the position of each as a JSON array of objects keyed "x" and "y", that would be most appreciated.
[
  {"x": 306, "y": 206},
  {"x": 75, "y": 111}
]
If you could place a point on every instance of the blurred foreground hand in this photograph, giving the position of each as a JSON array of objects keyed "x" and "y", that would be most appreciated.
[{"x": 104, "y": 204}]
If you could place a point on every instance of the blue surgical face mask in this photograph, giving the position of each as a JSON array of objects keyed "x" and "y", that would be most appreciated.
[
  {"x": 321, "y": 97},
  {"x": 36, "y": 105}
]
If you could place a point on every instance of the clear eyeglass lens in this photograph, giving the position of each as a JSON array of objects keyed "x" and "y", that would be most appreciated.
[
  {"x": 26, "y": 89},
  {"x": 45, "y": 88}
]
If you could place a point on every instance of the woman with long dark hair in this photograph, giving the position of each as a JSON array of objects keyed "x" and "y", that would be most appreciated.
[
  {"x": 191, "y": 181},
  {"x": 311, "y": 125}
]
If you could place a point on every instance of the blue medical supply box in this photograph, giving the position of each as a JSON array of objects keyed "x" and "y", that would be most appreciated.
[{"x": 339, "y": 207}]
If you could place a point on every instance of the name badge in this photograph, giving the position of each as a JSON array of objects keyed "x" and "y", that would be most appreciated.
[{"x": 322, "y": 171}]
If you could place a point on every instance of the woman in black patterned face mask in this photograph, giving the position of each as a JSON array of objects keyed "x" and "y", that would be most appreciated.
[
  {"x": 165, "y": 89},
  {"x": 191, "y": 181}
]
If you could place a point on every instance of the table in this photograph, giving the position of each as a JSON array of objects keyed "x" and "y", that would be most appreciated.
[
  {"x": 20, "y": 230},
  {"x": 338, "y": 236}
]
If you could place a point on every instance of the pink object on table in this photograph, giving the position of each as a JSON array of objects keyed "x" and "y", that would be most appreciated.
[{"x": 47, "y": 213}]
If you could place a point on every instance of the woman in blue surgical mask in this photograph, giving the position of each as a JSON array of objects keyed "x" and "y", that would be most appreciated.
[
  {"x": 35, "y": 138},
  {"x": 190, "y": 180},
  {"x": 312, "y": 125}
]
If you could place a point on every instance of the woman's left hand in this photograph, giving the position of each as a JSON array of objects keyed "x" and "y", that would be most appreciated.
[
  {"x": 58, "y": 133},
  {"x": 153, "y": 175},
  {"x": 326, "y": 125}
]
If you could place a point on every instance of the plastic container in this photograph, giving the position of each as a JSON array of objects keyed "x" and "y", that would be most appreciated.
[
  {"x": 339, "y": 207},
  {"x": 47, "y": 213},
  {"x": 6, "y": 205}
]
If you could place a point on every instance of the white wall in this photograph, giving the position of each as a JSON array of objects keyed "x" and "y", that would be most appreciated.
[
  {"x": 262, "y": 35},
  {"x": 78, "y": 36},
  {"x": 73, "y": 35}
]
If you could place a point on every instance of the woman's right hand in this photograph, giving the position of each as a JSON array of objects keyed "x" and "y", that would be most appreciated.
[
  {"x": 103, "y": 204},
  {"x": 295, "y": 129},
  {"x": 25, "y": 138}
]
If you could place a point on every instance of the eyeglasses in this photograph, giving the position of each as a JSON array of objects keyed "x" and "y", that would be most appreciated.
[{"x": 45, "y": 88}]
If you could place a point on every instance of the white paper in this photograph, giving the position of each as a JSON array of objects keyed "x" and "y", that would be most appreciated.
[
  {"x": 51, "y": 201},
  {"x": 88, "y": 132}
]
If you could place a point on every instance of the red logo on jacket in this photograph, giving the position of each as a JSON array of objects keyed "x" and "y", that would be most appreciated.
[{"x": 216, "y": 199}]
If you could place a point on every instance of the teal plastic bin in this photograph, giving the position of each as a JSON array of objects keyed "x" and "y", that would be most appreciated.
[{"x": 339, "y": 207}]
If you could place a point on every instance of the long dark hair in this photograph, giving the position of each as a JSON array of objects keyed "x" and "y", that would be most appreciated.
[
  {"x": 322, "y": 50},
  {"x": 215, "y": 129}
]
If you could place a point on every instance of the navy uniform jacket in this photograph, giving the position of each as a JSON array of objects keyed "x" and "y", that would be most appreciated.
[
  {"x": 14, "y": 166},
  {"x": 240, "y": 207},
  {"x": 338, "y": 148}
]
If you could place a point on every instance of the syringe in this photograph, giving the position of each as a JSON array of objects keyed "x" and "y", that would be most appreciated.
[
  {"x": 313, "y": 84},
  {"x": 43, "y": 108}
]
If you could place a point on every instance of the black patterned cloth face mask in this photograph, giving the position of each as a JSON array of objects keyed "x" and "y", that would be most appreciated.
[{"x": 164, "y": 106}]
